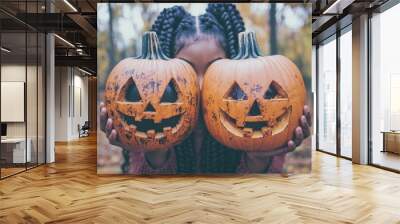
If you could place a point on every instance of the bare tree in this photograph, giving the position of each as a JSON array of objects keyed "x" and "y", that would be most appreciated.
[
  {"x": 273, "y": 40},
  {"x": 111, "y": 47}
]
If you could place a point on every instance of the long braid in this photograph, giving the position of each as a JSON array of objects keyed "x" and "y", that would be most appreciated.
[
  {"x": 166, "y": 25},
  {"x": 185, "y": 154},
  {"x": 175, "y": 27},
  {"x": 125, "y": 165},
  {"x": 215, "y": 157},
  {"x": 229, "y": 17}
]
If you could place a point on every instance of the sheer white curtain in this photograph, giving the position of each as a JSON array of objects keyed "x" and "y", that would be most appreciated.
[
  {"x": 346, "y": 94},
  {"x": 327, "y": 96}
]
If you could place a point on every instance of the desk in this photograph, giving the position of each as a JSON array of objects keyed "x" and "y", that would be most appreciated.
[
  {"x": 16, "y": 147},
  {"x": 391, "y": 141}
]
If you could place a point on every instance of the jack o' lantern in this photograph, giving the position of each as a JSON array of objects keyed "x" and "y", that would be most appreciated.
[
  {"x": 152, "y": 99},
  {"x": 253, "y": 102}
]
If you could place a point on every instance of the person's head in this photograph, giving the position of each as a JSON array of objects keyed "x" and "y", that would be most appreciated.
[{"x": 200, "y": 40}]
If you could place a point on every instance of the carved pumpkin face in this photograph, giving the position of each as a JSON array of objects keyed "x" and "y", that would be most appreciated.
[
  {"x": 153, "y": 100},
  {"x": 253, "y": 103}
]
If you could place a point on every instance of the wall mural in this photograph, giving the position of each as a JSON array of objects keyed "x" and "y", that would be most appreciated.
[{"x": 197, "y": 88}]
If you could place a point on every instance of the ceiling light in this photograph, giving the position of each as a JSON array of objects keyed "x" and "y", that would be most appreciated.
[
  {"x": 5, "y": 50},
  {"x": 80, "y": 51},
  {"x": 65, "y": 41},
  {"x": 337, "y": 7},
  {"x": 326, "y": 11},
  {"x": 84, "y": 71},
  {"x": 70, "y": 5}
]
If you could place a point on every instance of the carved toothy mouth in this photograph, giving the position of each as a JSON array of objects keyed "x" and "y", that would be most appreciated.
[
  {"x": 256, "y": 125},
  {"x": 256, "y": 129},
  {"x": 147, "y": 128}
]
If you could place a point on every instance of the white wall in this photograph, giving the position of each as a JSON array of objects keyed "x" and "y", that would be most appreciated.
[
  {"x": 12, "y": 73},
  {"x": 16, "y": 73},
  {"x": 80, "y": 110},
  {"x": 33, "y": 127},
  {"x": 61, "y": 104},
  {"x": 71, "y": 102},
  {"x": 50, "y": 94}
]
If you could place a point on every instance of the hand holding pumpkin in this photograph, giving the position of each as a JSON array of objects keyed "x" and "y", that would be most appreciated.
[
  {"x": 260, "y": 161},
  {"x": 152, "y": 99},
  {"x": 107, "y": 126},
  {"x": 253, "y": 102},
  {"x": 255, "y": 108},
  {"x": 300, "y": 133}
]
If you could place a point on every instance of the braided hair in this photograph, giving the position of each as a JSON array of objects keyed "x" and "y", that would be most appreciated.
[{"x": 175, "y": 28}]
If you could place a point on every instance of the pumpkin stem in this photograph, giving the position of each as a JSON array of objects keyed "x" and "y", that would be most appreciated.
[
  {"x": 248, "y": 46},
  {"x": 242, "y": 41},
  {"x": 151, "y": 48}
]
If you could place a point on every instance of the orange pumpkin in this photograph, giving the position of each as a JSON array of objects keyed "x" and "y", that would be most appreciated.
[
  {"x": 253, "y": 102},
  {"x": 152, "y": 99}
]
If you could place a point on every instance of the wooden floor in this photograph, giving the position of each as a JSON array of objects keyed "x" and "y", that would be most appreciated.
[
  {"x": 386, "y": 159},
  {"x": 70, "y": 191},
  {"x": 10, "y": 171}
]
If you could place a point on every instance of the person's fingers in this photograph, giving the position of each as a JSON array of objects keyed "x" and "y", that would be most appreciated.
[
  {"x": 291, "y": 145},
  {"x": 102, "y": 107},
  {"x": 307, "y": 114},
  {"x": 103, "y": 118},
  {"x": 304, "y": 126},
  {"x": 106, "y": 125},
  {"x": 113, "y": 137},
  {"x": 298, "y": 139},
  {"x": 109, "y": 126}
]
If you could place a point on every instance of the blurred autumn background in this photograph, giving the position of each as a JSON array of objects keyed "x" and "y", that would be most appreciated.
[{"x": 280, "y": 28}]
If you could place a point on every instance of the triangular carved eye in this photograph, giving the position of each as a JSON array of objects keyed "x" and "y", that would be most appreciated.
[
  {"x": 275, "y": 91},
  {"x": 236, "y": 93},
  {"x": 170, "y": 94},
  {"x": 132, "y": 93}
]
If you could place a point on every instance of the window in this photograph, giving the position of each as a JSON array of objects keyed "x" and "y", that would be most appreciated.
[
  {"x": 22, "y": 76},
  {"x": 385, "y": 89},
  {"x": 327, "y": 96},
  {"x": 346, "y": 93}
]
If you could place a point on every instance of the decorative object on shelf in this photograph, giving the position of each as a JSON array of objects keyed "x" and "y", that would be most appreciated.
[
  {"x": 83, "y": 131},
  {"x": 391, "y": 141},
  {"x": 14, "y": 153}
]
